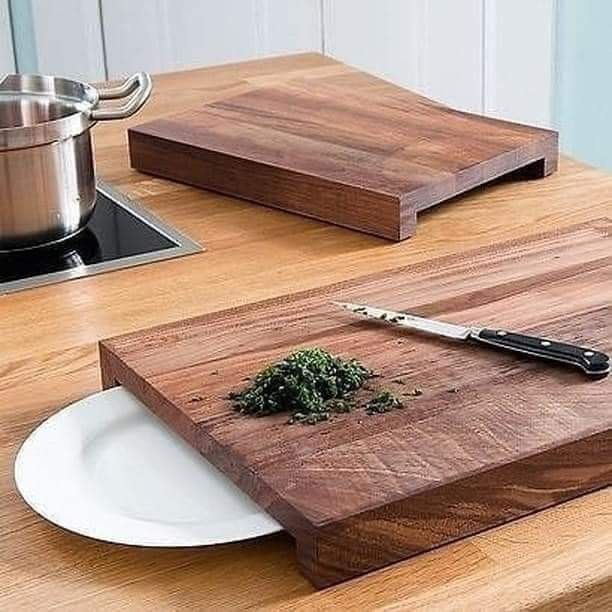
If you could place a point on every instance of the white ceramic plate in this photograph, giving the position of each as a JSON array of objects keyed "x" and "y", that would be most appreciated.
[{"x": 107, "y": 468}]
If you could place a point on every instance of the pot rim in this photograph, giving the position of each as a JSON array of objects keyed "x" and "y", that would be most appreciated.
[{"x": 76, "y": 95}]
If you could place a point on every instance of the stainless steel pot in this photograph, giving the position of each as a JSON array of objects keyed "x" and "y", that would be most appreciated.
[{"x": 47, "y": 176}]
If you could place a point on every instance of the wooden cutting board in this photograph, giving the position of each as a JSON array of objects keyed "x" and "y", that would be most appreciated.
[
  {"x": 339, "y": 145},
  {"x": 493, "y": 437}
]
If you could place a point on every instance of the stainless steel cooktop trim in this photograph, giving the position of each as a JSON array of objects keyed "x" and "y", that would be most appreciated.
[{"x": 184, "y": 246}]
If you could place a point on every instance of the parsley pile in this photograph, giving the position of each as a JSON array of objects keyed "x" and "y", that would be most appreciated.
[{"x": 310, "y": 384}]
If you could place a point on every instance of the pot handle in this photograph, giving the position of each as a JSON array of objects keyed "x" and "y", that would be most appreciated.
[{"x": 139, "y": 85}]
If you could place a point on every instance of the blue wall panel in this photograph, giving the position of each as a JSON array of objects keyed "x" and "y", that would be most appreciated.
[{"x": 583, "y": 107}]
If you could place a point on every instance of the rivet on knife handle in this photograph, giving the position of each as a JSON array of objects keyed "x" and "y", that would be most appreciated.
[{"x": 593, "y": 363}]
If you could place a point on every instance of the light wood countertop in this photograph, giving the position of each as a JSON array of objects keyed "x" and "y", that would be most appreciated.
[{"x": 557, "y": 559}]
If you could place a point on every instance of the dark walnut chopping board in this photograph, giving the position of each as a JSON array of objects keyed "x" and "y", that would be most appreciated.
[
  {"x": 492, "y": 438},
  {"x": 338, "y": 145}
]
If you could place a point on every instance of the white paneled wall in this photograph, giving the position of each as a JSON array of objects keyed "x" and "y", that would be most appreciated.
[
  {"x": 492, "y": 56},
  {"x": 6, "y": 44},
  {"x": 433, "y": 47},
  {"x": 162, "y": 35},
  {"x": 452, "y": 52},
  {"x": 520, "y": 55},
  {"x": 383, "y": 38},
  {"x": 67, "y": 38},
  {"x": 290, "y": 27}
]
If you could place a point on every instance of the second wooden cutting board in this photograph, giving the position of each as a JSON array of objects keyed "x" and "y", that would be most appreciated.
[
  {"x": 339, "y": 145},
  {"x": 492, "y": 438}
]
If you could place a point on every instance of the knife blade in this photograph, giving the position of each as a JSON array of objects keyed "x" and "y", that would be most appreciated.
[{"x": 591, "y": 362}]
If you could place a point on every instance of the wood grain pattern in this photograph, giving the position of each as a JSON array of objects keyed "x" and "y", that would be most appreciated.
[
  {"x": 560, "y": 558},
  {"x": 344, "y": 147},
  {"x": 493, "y": 437}
]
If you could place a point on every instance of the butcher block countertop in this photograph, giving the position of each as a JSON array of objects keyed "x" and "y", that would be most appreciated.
[{"x": 557, "y": 559}]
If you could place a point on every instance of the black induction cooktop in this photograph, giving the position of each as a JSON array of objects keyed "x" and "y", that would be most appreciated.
[{"x": 119, "y": 234}]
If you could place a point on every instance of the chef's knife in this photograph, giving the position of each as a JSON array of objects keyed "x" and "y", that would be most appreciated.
[{"x": 590, "y": 361}]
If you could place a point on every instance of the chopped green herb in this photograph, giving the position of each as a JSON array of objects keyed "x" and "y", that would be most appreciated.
[
  {"x": 310, "y": 384},
  {"x": 383, "y": 402}
]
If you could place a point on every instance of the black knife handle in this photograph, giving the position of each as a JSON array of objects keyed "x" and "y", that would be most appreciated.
[{"x": 593, "y": 363}]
